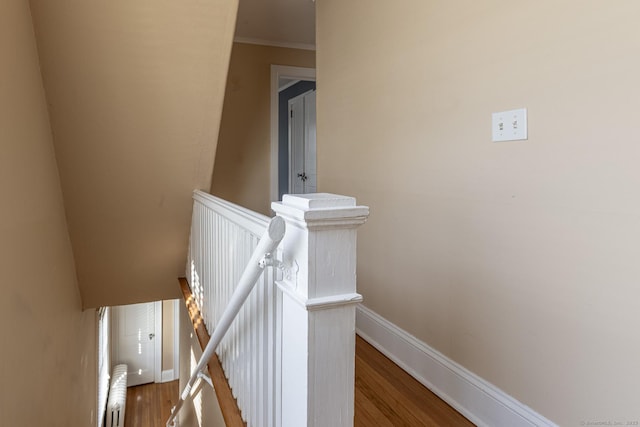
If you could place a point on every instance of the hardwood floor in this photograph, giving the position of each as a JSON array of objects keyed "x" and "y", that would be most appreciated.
[
  {"x": 149, "y": 405},
  {"x": 387, "y": 396}
]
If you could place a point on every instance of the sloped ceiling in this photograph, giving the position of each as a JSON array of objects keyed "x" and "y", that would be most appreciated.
[
  {"x": 135, "y": 92},
  {"x": 286, "y": 22}
]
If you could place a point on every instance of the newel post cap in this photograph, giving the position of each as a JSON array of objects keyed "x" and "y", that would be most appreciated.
[{"x": 318, "y": 209}]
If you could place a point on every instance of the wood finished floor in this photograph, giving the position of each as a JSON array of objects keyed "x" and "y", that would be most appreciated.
[
  {"x": 149, "y": 405},
  {"x": 385, "y": 396}
]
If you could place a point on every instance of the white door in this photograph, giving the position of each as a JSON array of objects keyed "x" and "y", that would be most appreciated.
[
  {"x": 302, "y": 143},
  {"x": 133, "y": 338}
]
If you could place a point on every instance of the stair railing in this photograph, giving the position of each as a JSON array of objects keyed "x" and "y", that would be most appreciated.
[
  {"x": 260, "y": 259},
  {"x": 289, "y": 354}
]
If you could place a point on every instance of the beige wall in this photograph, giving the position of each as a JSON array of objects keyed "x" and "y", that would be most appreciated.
[
  {"x": 203, "y": 409},
  {"x": 135, "y": 92},
  {"x": 167, "y": 335},
  {"x": 518, "y": 260},
  {"x": 48, "y": 348},
  {"x": 241, "y": 173}
]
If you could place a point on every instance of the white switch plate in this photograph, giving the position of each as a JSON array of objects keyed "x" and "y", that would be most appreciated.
[{"x": 509, "y": 125}]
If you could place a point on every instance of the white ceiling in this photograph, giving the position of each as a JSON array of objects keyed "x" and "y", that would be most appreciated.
[{"x": 277, "y": 22}]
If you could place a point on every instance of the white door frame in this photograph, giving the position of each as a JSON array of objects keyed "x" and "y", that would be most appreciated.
[
  {"x": 278, "y": 71},
  {"x": 176, "y": 338},
  {"x": 157, "y": 345},
  {"x": 174, "y": 373}
]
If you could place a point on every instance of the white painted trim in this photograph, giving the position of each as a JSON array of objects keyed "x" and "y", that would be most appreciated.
[
  {"x": 318, "y": 311},
  {"x": 278, "y": 71},
  {"x": 320, "y": 303},
  {"x": 273, "y": 43},
  {"x": 176, "y": 339},
  {"x": 157, "y": 345},
  {"x": 255, "y": 222},
  {"x": 288, "y": 85},
  {"x": 481, "y": 402},
  {"x": 167, "y": 376}
]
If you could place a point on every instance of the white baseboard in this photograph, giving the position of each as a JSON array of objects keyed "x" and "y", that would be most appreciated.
[
  {"x": 482, "y": 403},
  {"x": 167, "y": 376}
]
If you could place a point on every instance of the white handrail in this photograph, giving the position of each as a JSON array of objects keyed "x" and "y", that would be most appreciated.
[{"x": 268, "y": 243}]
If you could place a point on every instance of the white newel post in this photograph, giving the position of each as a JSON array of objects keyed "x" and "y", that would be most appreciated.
[{"x": 318, "y": 309}]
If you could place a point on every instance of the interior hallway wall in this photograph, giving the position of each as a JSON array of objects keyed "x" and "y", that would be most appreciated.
[
  {"x": 168, "y": 334},
  {"x": 48, "y": 347},
  {"x": 519, "y": 260},
  {"x": 242, "y": 169}
]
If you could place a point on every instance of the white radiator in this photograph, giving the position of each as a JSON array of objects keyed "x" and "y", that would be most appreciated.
[{"x": 117, "y": 401}]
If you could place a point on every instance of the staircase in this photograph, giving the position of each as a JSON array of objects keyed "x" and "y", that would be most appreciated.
[{"x": 289, "y": 353}]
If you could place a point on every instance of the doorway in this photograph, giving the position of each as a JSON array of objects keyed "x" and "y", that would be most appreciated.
[
  {"x": 301, "y": 144},
  {"x": 145, "y": 337},
  {"x": 288, "y": 83}
]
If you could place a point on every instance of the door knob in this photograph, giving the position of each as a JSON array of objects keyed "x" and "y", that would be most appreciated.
[{"x": 151, "y": 336}]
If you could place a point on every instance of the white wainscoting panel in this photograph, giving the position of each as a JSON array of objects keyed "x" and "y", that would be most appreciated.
[{"x": 481, "y": 402}]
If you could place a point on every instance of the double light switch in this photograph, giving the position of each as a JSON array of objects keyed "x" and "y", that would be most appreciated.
[{"x": 509, "y": 125}]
